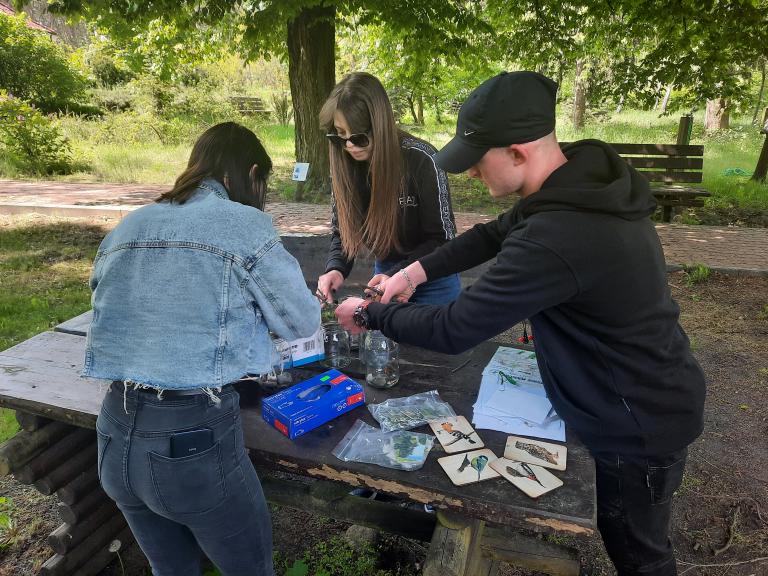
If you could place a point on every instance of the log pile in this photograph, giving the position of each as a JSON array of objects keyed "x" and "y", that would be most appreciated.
[{"x": 60, "y": 459}]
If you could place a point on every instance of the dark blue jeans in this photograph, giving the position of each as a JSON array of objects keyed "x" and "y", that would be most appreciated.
[
  {"x": 178, "y": 508},
  {"x": 634, "y": 501}
]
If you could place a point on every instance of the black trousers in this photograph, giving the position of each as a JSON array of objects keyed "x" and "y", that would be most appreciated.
[{"x": 634, "y": 504}]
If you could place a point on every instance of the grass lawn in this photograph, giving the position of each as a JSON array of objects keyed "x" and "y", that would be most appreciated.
[
  {"x": 44, "y": 272},
  {"x": 128, "y": 148},
  {"x": 8, "y": 424}
]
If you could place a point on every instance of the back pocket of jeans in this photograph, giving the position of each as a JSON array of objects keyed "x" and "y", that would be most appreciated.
[
  {"x": 191, "y": 484},
  {"x": 664, "y": 480}
]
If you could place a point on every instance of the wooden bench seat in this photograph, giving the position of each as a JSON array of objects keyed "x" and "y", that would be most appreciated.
[
  {"x": 249, "y": 105},
  {"x": 672, "y": 169}
]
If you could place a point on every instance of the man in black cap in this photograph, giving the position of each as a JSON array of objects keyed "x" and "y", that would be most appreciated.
[{"x": 579, "y": 256}]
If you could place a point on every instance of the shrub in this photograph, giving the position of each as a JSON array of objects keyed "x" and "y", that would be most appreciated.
[
  {"x": 281, "y": 105},
  {"x": 108, "y": 71},
  {"x": 36, "y": 69},
  {"x": 696, "y": 274},
  {"x": 32, "y": 138},
  {"x": 117, "y": 99}
]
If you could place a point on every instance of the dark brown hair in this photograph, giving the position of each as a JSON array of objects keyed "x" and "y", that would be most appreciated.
[
  {"x": 231, "y": 150},
  {"x": 362, "y": 100}
]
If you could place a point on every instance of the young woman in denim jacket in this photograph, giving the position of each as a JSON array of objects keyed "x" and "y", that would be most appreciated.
[
  {"x": 185, "y": 293},
  {"x": 388, "y": 194}
]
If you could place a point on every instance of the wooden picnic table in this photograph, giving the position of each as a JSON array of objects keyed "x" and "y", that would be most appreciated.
[{"x": 475, "y": 527}]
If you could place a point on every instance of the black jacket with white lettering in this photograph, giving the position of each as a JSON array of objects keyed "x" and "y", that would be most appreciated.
[
  {"x": 582, "y": 260},
  {"x": 425, "y": 218}
]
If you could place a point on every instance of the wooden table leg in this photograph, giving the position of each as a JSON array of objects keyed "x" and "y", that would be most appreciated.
[
  {"x": 530, "y": 552},
  {"x": 455, "y": 548}
]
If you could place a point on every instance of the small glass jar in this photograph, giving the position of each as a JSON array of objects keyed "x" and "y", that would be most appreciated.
[
  {"x": 361, "y": 347},
  {"x": 336, "y": 346},
  {"x": 382, "y": 366}
]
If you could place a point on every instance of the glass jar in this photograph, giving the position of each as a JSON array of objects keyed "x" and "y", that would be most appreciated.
[
  {"x": 336, "y": 346},
  {"x": 382, "y": 366}
]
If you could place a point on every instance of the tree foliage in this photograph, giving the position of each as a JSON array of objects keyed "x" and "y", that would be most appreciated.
[
  {"x": 32, "y": 139},
  {"x": 415, "y": 68},
  {"x": 301, "y": 30},
  {"x": 36, "y": 69}
]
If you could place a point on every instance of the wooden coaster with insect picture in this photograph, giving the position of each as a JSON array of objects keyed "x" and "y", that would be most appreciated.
[
  {"x": 536, "y": 452},
  {"x": 530, "y": 478},
  {"x": 469, "y": 467},
  {"x": 455, "y": 434}
]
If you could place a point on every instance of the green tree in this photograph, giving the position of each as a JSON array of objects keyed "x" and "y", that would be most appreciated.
[
  {"x": 420, "y": 71},
  {"x": 36, "y": 69},
  {"x": 582, "y": 45},
  {"x": 302, "y": 30},
  {"x": 708, "y": 47}
]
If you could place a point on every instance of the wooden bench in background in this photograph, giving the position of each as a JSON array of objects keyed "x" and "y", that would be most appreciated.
[
  {"x": 249, "y": 105},
  {"x": 672, "y": 169}
]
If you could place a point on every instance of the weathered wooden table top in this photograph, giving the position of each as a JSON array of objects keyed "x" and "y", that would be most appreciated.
[{"x": 41, "y": 375}]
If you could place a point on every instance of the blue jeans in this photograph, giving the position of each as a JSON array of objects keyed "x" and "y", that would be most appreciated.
[
  {"x": 179, "y": 508},
  {"x": 634, "y": 505},
  {"x": 439, "y": 291}
]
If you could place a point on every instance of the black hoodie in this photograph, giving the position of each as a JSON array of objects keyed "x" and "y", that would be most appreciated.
[{"x": 582, "y": 260}]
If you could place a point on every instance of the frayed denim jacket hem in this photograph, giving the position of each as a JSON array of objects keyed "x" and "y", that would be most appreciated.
[{"x": 186, "y": 295}]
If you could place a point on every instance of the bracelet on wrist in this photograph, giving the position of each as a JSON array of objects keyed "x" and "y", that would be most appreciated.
[{"x": 411, "y": 287}]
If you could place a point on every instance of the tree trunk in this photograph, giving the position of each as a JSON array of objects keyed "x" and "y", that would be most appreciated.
[
  {"x": 716, "y": 117},
  {"x": 438, "y": 113},
  {"x": 420, "y": 110},
  {"x": 620, "y": 105},
  {"x": 311, "y": 71},
  {"x": 760, "y": 93},
  {"x": 412, "y": 106},
  {"x": 665, "y": 101},
  {"x": 761, "y": 170},
  {"x": 579, "y": 96}
]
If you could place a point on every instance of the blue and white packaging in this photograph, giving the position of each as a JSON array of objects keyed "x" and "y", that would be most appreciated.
[
  {"x": 303, "y": 350},
  {"x": 308, "y": 404}
]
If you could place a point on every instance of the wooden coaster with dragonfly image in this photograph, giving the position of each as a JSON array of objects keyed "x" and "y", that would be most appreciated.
[
  {"x": 469, "y": 467},
  {"x": 536, "y": 452},
  {"x": 530, "y": 478},
  {"x": 455, "y": 434}
]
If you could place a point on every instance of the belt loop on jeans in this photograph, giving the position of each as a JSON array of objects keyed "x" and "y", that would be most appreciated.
[{"x": 172, "y": 392}]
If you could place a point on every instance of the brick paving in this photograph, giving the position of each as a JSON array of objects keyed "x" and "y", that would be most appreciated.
[{"x": 720, "y": 248}]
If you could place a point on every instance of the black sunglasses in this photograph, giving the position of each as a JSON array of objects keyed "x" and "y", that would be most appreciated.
[{"x": 360, "y": 140}]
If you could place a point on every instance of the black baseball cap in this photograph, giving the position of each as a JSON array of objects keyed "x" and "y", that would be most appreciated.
[{"x": 510, "y": 108}]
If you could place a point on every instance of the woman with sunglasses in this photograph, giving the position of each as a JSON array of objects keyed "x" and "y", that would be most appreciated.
[
  {"x": 185, "y": 293},
  {"x": 388, "y": 194}
]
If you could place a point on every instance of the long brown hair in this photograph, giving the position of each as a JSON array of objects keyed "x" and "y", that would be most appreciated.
[
  {"x": 362, "y": 100},
  {"x": 226, "y": 149}
]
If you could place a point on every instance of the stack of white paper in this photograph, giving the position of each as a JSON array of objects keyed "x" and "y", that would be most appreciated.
[{"x": 515, "y": 401}]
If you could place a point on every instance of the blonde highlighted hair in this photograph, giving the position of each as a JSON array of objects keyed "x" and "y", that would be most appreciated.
[{"x": 362, "y": 100}]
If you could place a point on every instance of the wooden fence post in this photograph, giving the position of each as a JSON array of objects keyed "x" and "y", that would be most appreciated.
[{"x": 684, "y": 129}]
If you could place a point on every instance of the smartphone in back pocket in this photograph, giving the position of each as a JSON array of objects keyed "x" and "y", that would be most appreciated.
[{"x": 191, "y": 443}]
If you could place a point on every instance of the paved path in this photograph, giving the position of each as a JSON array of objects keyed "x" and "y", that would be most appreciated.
[{"x": 720, "y": 248}]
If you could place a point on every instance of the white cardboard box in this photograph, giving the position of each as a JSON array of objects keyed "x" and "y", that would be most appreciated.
[{"x": 304, "y": 350}]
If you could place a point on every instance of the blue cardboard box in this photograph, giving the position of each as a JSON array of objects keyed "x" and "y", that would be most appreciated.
[{"x": 308, "y": 404}]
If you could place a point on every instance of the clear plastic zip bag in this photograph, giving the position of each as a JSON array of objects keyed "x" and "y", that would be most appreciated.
[
  {"x": 410, "y": 411},
  {"x": 401, "y": 449}
]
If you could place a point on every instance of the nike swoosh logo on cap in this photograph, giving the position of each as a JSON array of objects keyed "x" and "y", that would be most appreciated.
[{"x": 469, "y": 132}]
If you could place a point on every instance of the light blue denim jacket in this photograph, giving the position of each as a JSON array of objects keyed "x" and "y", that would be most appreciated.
[{"x": 184, "y": 295}]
